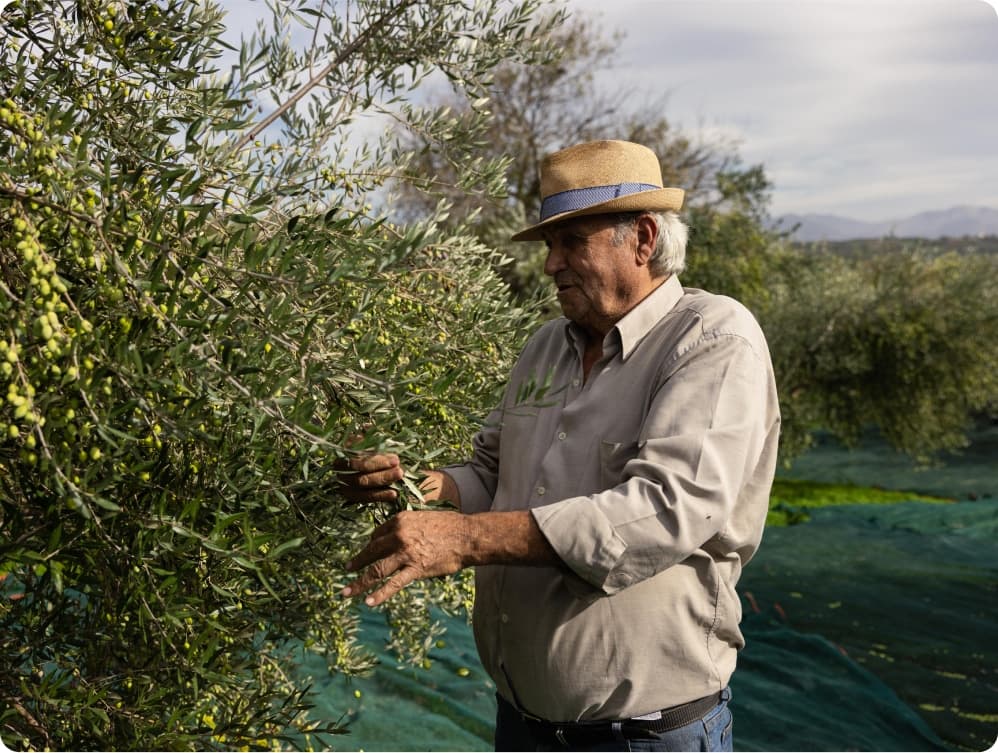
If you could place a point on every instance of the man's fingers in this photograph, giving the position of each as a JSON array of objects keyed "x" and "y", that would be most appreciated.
[
  {"x": 368, "y": 478},
  {"x": 373, "y": 479},
  {"x": 410, "y": 546},
  {"x": 376, "y": 548},
  {"x": 372, "y": 463},
  {"x": 392, "y": 586},
  {"x": 388, "y": 570},
  {"x": 389, "y": 586},
  {"x": 382, "y": 494}
]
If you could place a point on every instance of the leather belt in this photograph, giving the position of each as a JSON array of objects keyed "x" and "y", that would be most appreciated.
[{"x": 585, "y": 734}]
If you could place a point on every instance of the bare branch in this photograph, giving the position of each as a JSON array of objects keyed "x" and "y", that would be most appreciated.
[{"x": 344, "y": 54}]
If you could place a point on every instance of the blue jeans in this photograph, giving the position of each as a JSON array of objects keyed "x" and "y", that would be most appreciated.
[{"x": 712, "y": 732}]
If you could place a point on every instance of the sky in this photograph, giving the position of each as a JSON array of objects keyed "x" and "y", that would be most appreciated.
[{"x": 871, "y": 109}]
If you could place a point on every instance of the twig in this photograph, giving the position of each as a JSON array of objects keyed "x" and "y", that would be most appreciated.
[{"x": 344, "y": 54}]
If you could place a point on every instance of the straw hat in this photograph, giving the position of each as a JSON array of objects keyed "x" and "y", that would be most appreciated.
[{"x": 599, "y": 177}]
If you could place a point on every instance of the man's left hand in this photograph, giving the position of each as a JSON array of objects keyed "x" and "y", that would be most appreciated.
[{"x": 410, "y": 546}]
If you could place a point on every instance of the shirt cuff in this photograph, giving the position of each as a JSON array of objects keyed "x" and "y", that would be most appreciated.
[
  {"x": 474, "y": 496},
  {"x": 584, "y": 539}
]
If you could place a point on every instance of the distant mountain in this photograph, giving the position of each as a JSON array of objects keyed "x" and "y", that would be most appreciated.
[{"x": 954, "y": 223}]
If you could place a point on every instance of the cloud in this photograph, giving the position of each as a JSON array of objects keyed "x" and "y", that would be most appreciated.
[
  {"x": 838, "y": 99},
  {"x": 846, "y": 98}
]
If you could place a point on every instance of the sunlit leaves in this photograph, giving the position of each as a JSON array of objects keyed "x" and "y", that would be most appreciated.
[{"x": 196, "y": 327}]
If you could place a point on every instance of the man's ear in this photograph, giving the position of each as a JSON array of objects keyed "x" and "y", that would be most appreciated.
[{"x": 646, "y": 229}]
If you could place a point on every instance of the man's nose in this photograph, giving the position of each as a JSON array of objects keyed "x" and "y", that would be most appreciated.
[{"x": 555, "y": 261}]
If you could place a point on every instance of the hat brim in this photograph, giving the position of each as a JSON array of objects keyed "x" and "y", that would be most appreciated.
[{"x": 657, "y": 200}]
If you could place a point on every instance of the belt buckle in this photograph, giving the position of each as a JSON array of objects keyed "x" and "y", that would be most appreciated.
[{"x": 560, "y": 736}]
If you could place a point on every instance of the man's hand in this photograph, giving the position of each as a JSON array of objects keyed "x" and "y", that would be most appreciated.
[
  {"x": 368, "y": 478},
  {"x": 421, "y": 544},
  {"x": 410, "y": 546}
]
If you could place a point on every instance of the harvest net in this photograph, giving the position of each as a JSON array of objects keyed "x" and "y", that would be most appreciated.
[{"x": 868, "y": 628}]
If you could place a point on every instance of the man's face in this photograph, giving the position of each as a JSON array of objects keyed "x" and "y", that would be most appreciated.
[{"x": 598, "y": 280}]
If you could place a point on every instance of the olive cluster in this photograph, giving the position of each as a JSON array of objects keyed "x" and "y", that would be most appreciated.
[{"x": 40, "y": 360}]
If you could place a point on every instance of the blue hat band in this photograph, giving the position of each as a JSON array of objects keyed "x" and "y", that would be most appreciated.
[{"x": 581, "y": 198}]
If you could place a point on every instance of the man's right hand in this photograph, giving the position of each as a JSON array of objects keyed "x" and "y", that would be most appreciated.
[{"x": 368, "y": 478}]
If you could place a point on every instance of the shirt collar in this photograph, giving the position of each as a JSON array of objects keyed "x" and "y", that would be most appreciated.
[{"x": 637, "y": 322}]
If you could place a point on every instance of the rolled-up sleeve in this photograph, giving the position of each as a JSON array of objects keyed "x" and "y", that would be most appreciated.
[{"x": 703, "y": 436}]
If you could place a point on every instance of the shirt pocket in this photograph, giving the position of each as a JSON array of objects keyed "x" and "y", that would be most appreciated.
[{"x": 613, "y": 456}]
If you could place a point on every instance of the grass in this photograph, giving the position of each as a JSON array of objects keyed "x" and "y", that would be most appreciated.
[{"x": 790, "y": 499}]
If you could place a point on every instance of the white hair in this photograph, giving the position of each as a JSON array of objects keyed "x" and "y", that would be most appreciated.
[{"x": 669, "y": 256}]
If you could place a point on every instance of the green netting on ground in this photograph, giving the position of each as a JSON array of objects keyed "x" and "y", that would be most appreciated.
[
  {"x": 877, "y": 629},
  {"x": 450, "y": 706},
  {"x": 971, "y": 473},
  {"x": 909, "y": 591},
  {"x": 793, "y": 691},
  {"x": 797, "y": 691}
]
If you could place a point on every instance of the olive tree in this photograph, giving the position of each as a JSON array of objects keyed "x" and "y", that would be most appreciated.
[
  {"x": 205, "y": 307},
  {"x": 902, "y": 338}
]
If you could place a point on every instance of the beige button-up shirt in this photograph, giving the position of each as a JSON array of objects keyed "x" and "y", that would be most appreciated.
[{"x": 651, "y": 481}]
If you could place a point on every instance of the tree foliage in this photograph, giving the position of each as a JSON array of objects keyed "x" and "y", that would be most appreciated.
[
  {"x": 202, "y": 312},
  {"x": 901, "y": 339}
]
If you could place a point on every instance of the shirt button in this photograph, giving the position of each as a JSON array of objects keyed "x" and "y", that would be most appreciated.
[
  {"x": 505, "y": 617},
  {"x": 562, "y": 436},
  {"x": 575, "y": 382},
  {"x": 540, "y": 491}
]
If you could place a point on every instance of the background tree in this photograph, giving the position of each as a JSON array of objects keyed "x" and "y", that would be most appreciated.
[
  {"x": 203, "y": 309},
  {"x": 898, "y": 337}
]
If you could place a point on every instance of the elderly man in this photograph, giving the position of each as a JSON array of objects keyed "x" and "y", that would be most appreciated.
[{"x": 609, "y": 521}]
